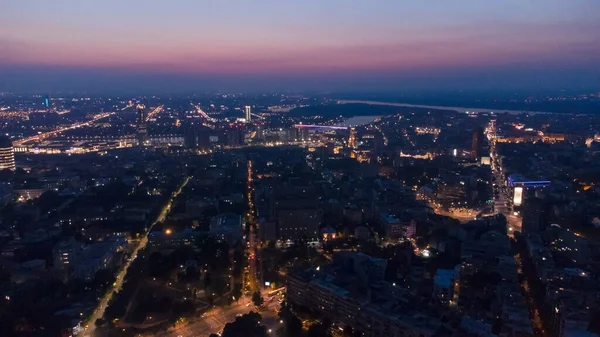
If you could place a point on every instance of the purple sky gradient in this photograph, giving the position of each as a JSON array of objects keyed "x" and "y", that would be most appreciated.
[{"x": 295, "y": 39}]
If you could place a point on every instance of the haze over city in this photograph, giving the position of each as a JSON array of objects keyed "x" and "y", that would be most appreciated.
[
  {"x": 298, "y": 45},
  {"x": 300, "y": 168}
]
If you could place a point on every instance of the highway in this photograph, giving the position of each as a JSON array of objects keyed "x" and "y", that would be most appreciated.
[
  {"x": 154, "y": 112},
  {"x": 44, "y": 135},
  {"x": 203, "y": 114},
  {"x": 90, "y": 327}
]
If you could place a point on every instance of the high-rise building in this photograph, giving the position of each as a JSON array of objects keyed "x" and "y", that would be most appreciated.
[
  {"x": 235, "y": 135},
  {"x": 196, "y": 137},
  {"x": 304, "y": 134},
  {"x": 296, "y": 211},
  {"x": 248, "y": 112},
  {"x": 203, "y": 138},
  {"x": 142, "y": 130},
  {"x": 477, "y": 144},
  {"x": 7, "y": 154},
  {"x": 47, "y": 101},
  {"x": 532, "y": 216},
  {"x": 190, "y": 137}
]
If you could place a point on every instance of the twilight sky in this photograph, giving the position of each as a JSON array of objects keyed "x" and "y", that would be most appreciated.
[{"x": 186, "y": 45}]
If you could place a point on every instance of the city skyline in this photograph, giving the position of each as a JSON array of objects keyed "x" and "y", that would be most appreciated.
[{"x": 270, "y": 45}]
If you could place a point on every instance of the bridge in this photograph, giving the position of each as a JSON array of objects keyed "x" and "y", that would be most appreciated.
[
  {"x": 45, "y": 135},
  {"x": 313, "y": 126}
]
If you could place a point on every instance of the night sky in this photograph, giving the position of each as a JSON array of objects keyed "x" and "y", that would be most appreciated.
[{"x": 186, "y": 45}]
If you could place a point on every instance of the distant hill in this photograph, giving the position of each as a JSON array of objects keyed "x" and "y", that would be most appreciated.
[
  {"x": 500, "y": 101},
  {"x": 351, "y": 110}
]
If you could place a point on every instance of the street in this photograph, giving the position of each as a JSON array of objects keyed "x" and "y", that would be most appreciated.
[
  {"x": 90, "y": 327},
  {"x": 502, "y": 192},
  {"x": 214, "y": 320}
]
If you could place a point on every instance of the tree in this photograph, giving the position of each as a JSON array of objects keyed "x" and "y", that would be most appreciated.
[
  {"x": 246, "y": 325},
  {"x": 318, "y": 330},
  {"x": 4, "y": 275},
  {"x": 257, "y": 299},
  {"x": 293, "y": 325}
]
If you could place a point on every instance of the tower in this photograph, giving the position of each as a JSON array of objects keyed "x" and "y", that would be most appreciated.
[
  {"x": 352, "y": 138},
  {"x": 7, "y": 154},
  {"x": 248, "y": 112},
  {"x": 142, "y": 130},
  {"x": 47, "y": 101}
]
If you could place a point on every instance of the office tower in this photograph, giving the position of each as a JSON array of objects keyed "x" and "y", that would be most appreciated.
[
  {"x": 248, "y": 112},
  {"x": 235, "y": 135},
  {"x": 7, "y": 154},
  {"x": 196, "y": 137},
  {"x": 142, "y": 130},
  {"x": 260, "y": 132},
  {"x": 47, "y": 101},
  {"x": 477, "y": 144},
  {"x": 532, "y": 216},
  {"x": 304, "y": 134}
]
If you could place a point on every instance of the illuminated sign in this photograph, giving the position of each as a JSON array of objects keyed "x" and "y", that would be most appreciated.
[
  {"x": 520, "y": 181},
  {"x": 518, "y": 197}
]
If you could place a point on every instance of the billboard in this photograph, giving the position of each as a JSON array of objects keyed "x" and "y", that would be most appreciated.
[{"x": 518, "y": 197}]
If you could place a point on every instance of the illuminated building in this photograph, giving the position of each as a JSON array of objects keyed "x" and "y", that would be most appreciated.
[
  {"x": 47, "y": 101},
  {"x": 248, "y": 112},
  {"x": 553, "y": 137},
  {"x": 235, "y": 135},
  {"x": 25, "y": 194},
  {"x": 352, "y": 138},
  {"x": 304, "y": 135},
  {"x": 379, "y": 308},
  {"x": 518, "y": 196},
  {"x": 7, "y": 154},
  {"x": 522, "y": 188},
  {"x": 142, "y": 130}
]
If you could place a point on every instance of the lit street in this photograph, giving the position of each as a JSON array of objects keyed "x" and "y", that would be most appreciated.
[
  {"x": 214, "y": 320},
  {"x": 502, "y": 197},
  {"x": 300, "y": 169},
  {"x": 118, "y": 284}
]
